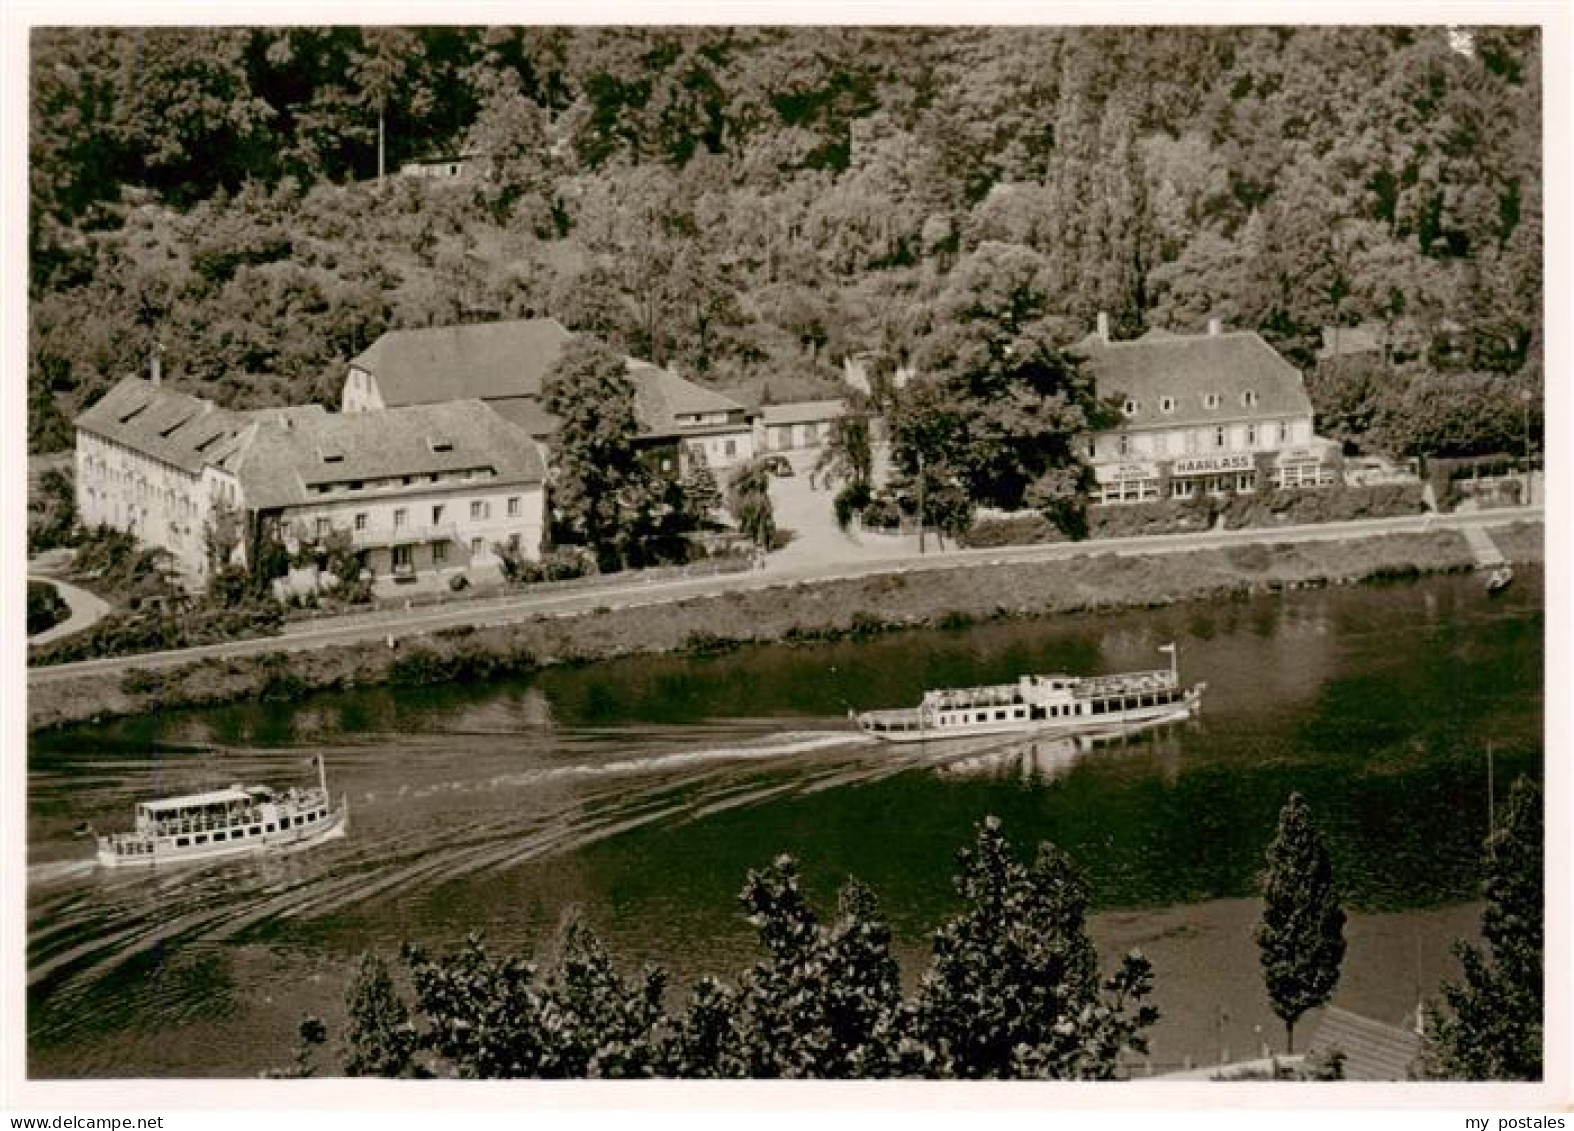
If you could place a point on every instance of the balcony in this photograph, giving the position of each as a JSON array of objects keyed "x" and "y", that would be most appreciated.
[{"x": 384, "y": 535}]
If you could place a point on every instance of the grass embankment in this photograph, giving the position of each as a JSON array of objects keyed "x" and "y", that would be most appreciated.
[{"x": 795, "y": 613}]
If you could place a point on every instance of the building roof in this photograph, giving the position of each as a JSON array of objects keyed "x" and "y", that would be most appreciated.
[
  {"x": 485, "y": 360},
  {"x": 1205, "y": 378},
  {"x": 159, "y": 422},
  {"x": 526, "y": 413},
  {"x": 803, "y": 412},
  {"x": 1372, "y": 1050},
  {"x": 661, "y": 396},
  {"x": 277, "y": 464}
]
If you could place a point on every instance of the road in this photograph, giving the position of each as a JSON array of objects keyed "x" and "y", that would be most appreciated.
[{"x": 514, "y": 608}]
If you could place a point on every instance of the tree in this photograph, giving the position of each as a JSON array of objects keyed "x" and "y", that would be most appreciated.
[
  {"x": 1492, "y": 1027},
  {"x": 824, "y": 998},
  {"x": 51, "y": 510},
  {"x": 1014, "y": 988},
  {"x": 1017, "y": 400},
  {"x": 381, "y": 1040},
  {"x": 1301, "y": 935},
  {"x": 593, "y": 461},
  {"x": 749, "y": 499},
  {"x": 701, "y": 492}
]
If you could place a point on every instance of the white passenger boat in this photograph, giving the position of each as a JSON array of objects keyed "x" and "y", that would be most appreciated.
[
  {"x": 1056, "y": 704},
  {"x": 227, "y": 822}
]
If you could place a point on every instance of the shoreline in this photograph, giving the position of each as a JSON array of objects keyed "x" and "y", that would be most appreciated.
[{"x": 792, "y": 613}]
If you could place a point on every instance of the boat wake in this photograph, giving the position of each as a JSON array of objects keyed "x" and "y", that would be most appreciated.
[{"x": 423, "y": 815}]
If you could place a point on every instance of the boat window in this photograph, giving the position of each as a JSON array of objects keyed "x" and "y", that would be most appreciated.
[
  {"x": 202, "y": 839},
  {"x": 269, "y": 827},
  {"x": 220, "y": 836},
  {"x": 256, "y": 830},
  {"x": 182, "y": 841},
  {"x": 1000, "y": 714}
]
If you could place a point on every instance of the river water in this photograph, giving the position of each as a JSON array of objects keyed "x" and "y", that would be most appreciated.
[{"x": 641, "y": 791}]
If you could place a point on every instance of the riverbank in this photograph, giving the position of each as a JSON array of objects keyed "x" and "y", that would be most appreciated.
[{"x": 790, "y": 613}]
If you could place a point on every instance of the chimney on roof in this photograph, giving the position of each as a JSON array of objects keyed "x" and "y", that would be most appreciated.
[
  {"x": 1214, "y": 327},
  {"x": 1103, "y": 327},
  {"x": 156, "y": 364}
]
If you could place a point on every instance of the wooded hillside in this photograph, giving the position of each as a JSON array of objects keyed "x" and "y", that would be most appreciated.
[{"x": 753, "y": 204}]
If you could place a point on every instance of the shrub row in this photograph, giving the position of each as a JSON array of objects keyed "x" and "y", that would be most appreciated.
[
  {"x": 1176, "y": 516},
  {"x": 123, "y": 634},
  {"x": 469, "y": 662}
]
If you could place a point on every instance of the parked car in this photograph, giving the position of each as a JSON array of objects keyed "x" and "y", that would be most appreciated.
[{"x": 779, "y": 465}]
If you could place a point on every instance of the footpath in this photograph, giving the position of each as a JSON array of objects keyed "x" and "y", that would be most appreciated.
[{"x": 86, "y": 608}]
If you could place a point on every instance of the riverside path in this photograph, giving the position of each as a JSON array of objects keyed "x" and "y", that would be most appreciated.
[{"x": 617, "y": 592}]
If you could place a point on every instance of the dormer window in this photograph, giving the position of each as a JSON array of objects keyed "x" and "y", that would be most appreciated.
[
  {"x": 1166, "y": 404},
  {"x": 1131, "y": 407},
  {"x": 332, "y": 457},
  {"x": 1249, "y": 398},
  {"x": 441, "y": 444},
  {"x": 1210, "y": 400}
]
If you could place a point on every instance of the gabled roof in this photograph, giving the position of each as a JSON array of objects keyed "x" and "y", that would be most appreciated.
[
  {"x": 277, "y": 465},
  {"x": 1247, "y": 376},
  {"x": 1372, "y": 1050},
  {"x": 661, "y": 396},
  {"x": 159, "y": 422},
  {"x": 526, "y": 413},
  {"x": 486, "y": 360},
  {"x": 802, "y": 412}
]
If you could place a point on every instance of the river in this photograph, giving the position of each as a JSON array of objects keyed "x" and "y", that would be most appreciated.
[{"x": 641, "y": 791}]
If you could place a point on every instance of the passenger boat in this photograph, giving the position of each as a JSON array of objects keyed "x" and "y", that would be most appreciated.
[
  {"x": 227, "y": 822},
  {"x": 1056, "y": 704}
]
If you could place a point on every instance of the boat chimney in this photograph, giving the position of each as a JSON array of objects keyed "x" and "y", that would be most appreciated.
[
  {"x": 1103, "y": 327},
  {"x": 1214, "y": 327}
]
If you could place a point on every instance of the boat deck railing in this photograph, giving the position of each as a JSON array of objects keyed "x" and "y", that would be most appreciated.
[
  {"x": 994, "y": 695},
  {"x": 1124, "y": 683}
]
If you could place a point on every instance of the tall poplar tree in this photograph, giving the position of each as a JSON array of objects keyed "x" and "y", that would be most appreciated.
[{"x": 1301, "y": 935}]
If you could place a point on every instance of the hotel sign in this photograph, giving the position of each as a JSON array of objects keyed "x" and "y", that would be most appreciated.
[
  {"x": 1202, "y": 465},
  {"x": 1121, "y": 472}
]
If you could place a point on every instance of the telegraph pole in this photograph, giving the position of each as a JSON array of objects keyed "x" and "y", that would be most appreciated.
[{"x": 920, "y": 502}]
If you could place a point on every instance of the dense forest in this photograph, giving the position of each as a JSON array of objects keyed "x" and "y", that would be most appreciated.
[{"x": 753, "y": 205}]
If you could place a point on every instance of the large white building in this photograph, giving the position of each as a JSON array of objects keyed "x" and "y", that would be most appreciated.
[
  {"x": 428, "y": 489},
  {"x": 1202, "y": 413}
]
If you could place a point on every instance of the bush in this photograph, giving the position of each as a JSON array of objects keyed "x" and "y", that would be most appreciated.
[
  {"x": 466, "y": 662},
  {"x": 882, "y": 513},
  {"x": 849, "y": 501},
  {"x": 563, "y": 564},
  {"x": 45, "y": 607},
  {"x": 1169, "y": 516},
  {"x": 126, "y": 634},
  {"x": 701, "y": 642},
  {"x": 1321, "y": 504},
  {"x": 1017, "y": 530}
]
